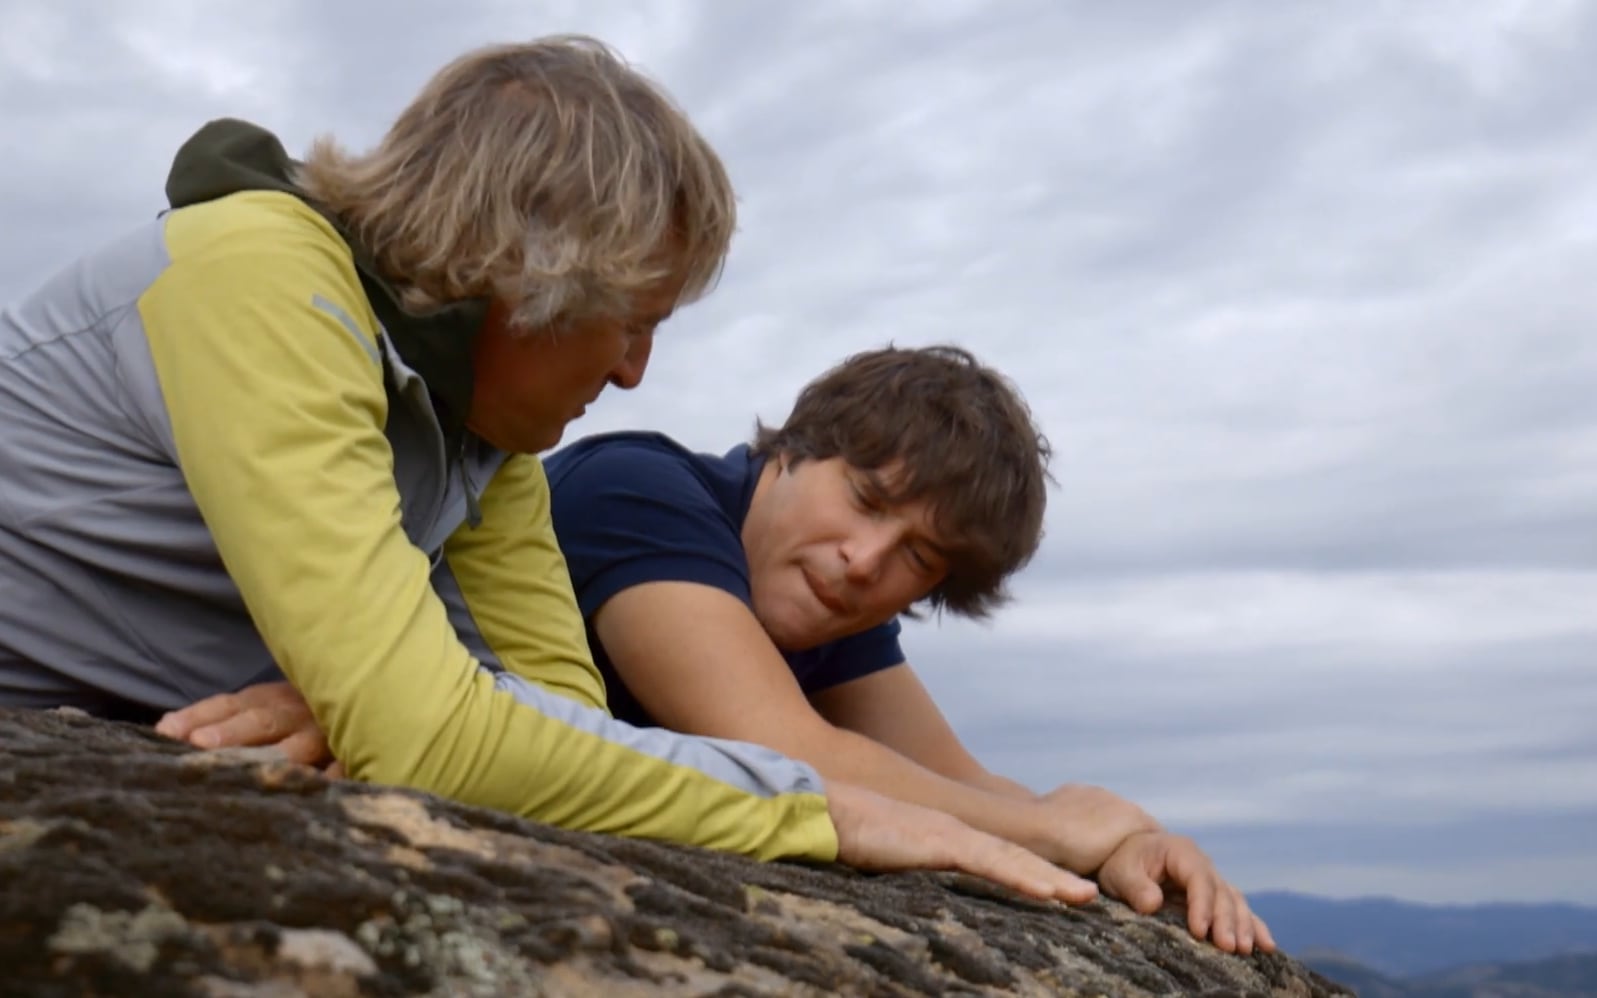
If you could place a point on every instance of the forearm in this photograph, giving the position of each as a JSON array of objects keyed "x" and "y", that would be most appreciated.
[
  {"x": 991, "y": 782},
  {"x": 415, "y": 711},
  {"x": 579, "y": 768},
  {"x": 1111, "y": 818},
  {"x": 843, "y": 755},
  {"x": 1077, "y": 826},
  {"x": 895, "y": 712}
]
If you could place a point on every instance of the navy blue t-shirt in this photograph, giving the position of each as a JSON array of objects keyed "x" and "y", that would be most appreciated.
[{"x": 633, "y": 507}]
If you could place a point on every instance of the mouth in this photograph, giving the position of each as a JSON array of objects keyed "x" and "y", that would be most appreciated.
[
  {"x": 582, "y": 410},
  {"x": 824, "y": 596}
]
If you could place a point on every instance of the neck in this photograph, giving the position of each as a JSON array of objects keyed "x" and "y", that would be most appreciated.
[{"x": 762, "y": 486}]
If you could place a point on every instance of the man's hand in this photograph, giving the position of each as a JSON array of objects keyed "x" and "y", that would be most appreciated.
[
  {"x": 879, "y": 833},
  {"x": 265, "y": 714},
  {"x": 1082, "y": 825},
  {"x": 1140, "y": 868}
]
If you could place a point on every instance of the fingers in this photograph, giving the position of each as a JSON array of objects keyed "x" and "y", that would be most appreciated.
[
  {"x": 1263, "y": 940},
  {"x": 1139, "y": 891},
  {"x": 179, "y": 723},
  {"x": 1236, "y": 929},
  {"x": 1247, "y": 923},
  {"x": 264, "y": 714},
  {"x": 305, "y": 746},
  {"x": 1018, "y": 868},
  {"x": 1223, "y": 926},
  {"x": 1134, "y": 871},
  {"x": 255, "y": 726},
  {"x": 1215, "y": 910},
  {"x": 1201, "y": 906},
  {"x": 1244, "y": 921},
  {"x": 1219, "y": 912},
  {"x": 335, "y": 771},
  {"x": 879, "y": 833},
  {"x": 256, "y": 715}
]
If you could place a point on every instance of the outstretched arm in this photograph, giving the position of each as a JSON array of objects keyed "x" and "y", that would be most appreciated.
[
  {"x": 269, "y": 360},
  {"x": 893, "y": 707},
  {"x": 698, "y": 660}
]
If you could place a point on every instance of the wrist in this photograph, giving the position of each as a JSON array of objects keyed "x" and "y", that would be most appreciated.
[
  {"x": 1036, "y": 825},
  {"x": 1140, "y": 821},
  {"x": 1133, "y": 823},
  {"x": 1085, "y": 843}
]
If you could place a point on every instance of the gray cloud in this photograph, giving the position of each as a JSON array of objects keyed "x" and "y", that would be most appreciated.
[{"x": 1299, "y": 298}]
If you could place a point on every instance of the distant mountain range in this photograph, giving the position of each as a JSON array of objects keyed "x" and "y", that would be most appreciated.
[
  {"x": 1569, "y": 976},
  {"x": 1373, "y": 944}
]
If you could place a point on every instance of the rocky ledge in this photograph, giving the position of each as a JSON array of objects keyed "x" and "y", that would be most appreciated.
[{"x": 131, "y": 865}]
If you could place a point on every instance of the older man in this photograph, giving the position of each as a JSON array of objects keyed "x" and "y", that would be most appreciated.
[{"x": 291, "y": 424}]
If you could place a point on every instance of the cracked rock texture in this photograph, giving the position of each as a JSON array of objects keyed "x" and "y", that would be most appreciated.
[{"x": 131, "y": 865}]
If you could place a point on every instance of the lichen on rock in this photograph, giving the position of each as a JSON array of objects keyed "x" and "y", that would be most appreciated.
[{"x": 132, "y": 865}]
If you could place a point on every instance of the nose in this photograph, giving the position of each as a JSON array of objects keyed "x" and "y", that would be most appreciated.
[
  {"x": 865, "y": 552},
  {"x": 628, "y": 374}
]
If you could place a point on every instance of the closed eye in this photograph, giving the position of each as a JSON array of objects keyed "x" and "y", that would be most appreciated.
[{"x": 864, "y": 500}]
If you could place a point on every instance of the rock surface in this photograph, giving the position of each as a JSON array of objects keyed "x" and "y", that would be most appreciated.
[{"x": 130, "y": 865}]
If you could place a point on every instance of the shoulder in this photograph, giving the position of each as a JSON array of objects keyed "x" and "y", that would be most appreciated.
[
  {"x": 848, "y": 658},
  {"x": 610, "y": 450},
  {"x": 265, "y": 233},
  {"x": 638, "y": 507},
  {"x": 520, "y": 476},
  {"x": 629, "y": 464},
  {"x": 633, "y": 491}
]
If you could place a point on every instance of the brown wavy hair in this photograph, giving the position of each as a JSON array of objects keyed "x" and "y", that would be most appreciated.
[{"x": 958, "y": 435}]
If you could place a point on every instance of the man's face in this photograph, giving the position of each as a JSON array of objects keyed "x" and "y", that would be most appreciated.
[
  {"x": 530, "y": 384},
  {"x": 829, "y": 557}
]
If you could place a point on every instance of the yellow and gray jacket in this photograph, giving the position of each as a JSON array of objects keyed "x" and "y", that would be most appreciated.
[{"x": 226, "y": 452}]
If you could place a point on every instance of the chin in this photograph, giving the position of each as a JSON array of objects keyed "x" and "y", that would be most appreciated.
[
  {"x": 780, "y": 635},
  {"x": 799, "y": 637},
  {"x": 779, "y": 626},
  {"x": 551, "y": 443},
  {"x": 537, "y": 443}
]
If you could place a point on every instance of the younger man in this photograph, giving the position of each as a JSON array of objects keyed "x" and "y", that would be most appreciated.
[{"x": 754, "y": 596}]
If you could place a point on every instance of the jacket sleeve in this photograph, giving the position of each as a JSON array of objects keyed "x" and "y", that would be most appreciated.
[
  {"x": 518, "y": 593},
  {"x": 516, "y": 586},
  {"x": 266, "y": 353}
]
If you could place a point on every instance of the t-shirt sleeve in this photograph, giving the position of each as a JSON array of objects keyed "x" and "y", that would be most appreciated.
[
  {"x": 628, "y": 515},
  {"x": 851, "y": 658}
]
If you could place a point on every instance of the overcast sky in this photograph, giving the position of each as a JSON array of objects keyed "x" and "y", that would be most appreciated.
[{"x": 1295, "y": 290}]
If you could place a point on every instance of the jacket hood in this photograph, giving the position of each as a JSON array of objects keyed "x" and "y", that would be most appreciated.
[{"x": 228, "y": 156}]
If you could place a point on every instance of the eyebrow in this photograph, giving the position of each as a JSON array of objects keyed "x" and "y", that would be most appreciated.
[{"x": 879, "y": 493}]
